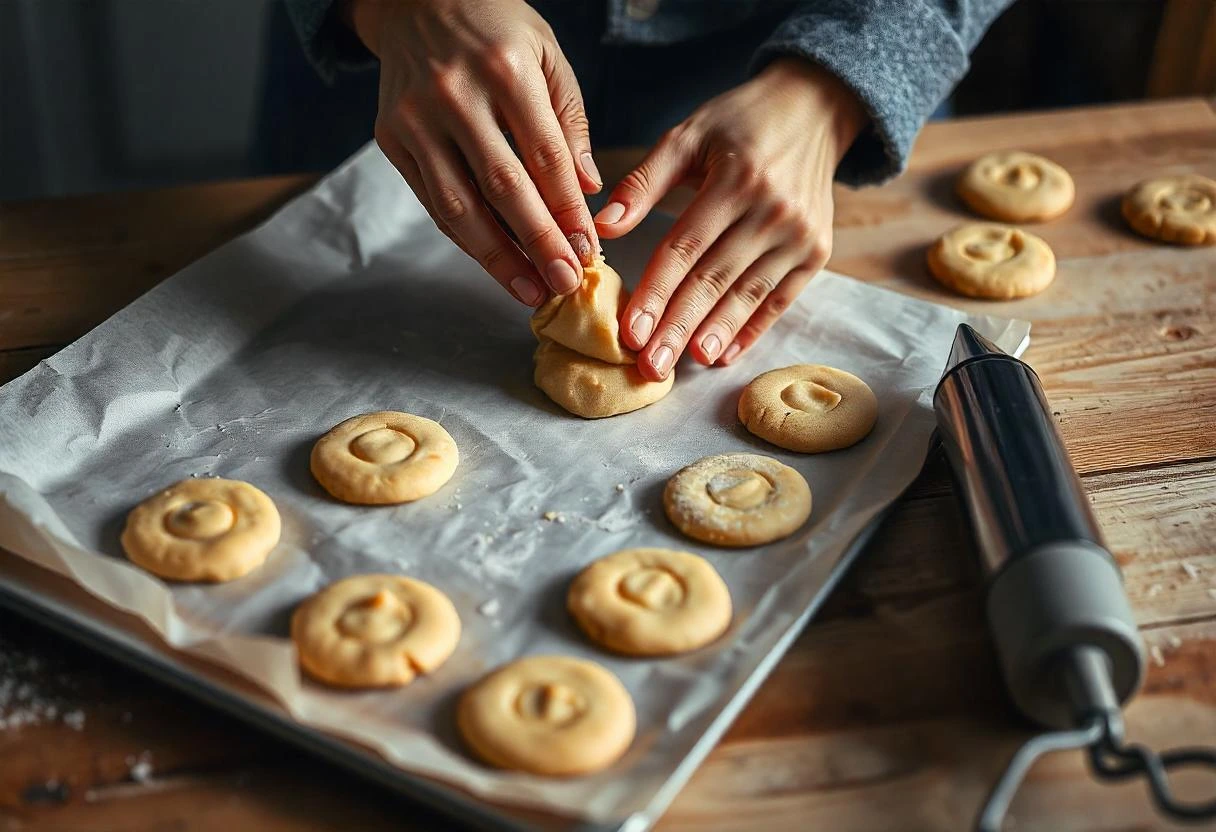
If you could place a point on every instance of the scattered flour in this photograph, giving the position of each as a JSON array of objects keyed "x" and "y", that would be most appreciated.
[{"x": 34, "y": 691}]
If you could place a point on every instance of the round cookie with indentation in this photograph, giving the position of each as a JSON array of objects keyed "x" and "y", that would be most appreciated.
[
  {"x": 992, "y": 261},
  {"x": 591, "y": 388},
  {"x": 202, "y": 530},
  {"x": 1176, "y": 209},
  {"x": 650, "y": 602},
  {"x": 809, "y": 408},
  {"x": 384, "y": 458},
  {"x": 1014, "y": 186},
  {"x": 737, "y": 500},
  {"x": 552, "y": 715},
  {"x": 374, "y": 631}
]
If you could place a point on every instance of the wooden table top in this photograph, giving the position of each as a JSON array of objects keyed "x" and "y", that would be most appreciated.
[{"x": 888, "y": 712}]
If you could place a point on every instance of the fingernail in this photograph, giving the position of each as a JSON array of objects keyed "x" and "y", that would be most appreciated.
[
  {"x": 590, "y": 169},
  {"x": 611, "y": 213},
  {"x": 562, "y": 277},
  {"x": 662, "y": 359},
  {"x": 525, "y": 289},
  {"x": 731, "y": 351},
  {"x": 711, "y": 345},
  {"x": 643, "y": 325}
]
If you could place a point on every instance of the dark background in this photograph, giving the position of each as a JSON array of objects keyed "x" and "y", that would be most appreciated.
[{"x": 98, "y": 95}]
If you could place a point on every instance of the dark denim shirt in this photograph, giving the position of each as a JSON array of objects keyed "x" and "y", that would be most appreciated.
[{"x": 900, "y": 57}]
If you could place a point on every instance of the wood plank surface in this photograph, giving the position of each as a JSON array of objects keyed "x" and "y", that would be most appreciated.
[{"x": 888, "y": 713}]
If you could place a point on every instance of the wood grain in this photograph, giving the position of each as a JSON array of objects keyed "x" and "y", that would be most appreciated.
[{"x": 888, "y": 713}]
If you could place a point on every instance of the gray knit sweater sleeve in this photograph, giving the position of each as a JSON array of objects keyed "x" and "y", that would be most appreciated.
[{"x": 901, "y": 58}]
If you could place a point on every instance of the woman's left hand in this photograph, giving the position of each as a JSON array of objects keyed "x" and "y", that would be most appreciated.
[{"x": 762, "y": 157}]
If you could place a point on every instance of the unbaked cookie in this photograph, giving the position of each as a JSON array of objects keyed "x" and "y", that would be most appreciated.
[
  {"x": 1013, "y": 186},
  {"x": 650, "y": 602},
  {"x": 808, "y": 408},
  {"x": 737, "y": 500},
  {"x": 586, "y": 320},
  {"x": 591, "y": 388},
  {"x": 384, "y": 458},
  {"x": 374, "y": 631},
  {"x": 987, "y": 260},
  {"x": 202, "y": 530},
  {"x": 553, "y": 715},
  {"x": 1176, "y": 209}
]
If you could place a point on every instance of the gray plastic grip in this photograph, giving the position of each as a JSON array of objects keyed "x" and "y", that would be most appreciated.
[{"x": 1049, "y": 600}]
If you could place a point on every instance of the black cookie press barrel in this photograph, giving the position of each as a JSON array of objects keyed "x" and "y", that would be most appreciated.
[{"x": 1060, "y": 621}]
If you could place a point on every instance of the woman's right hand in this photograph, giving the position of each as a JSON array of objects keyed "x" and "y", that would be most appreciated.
[{"x": 455, "y": 75}]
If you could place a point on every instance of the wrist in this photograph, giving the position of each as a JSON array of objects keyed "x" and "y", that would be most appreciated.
[
  {"x": 363, "y": 18},
  {"x": 822, "y": 91}
]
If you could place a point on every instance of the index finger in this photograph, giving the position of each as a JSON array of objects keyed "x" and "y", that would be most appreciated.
[{"x": 546, "y": 156}]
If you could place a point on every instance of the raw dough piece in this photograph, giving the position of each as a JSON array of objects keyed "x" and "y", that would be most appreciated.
[
  {"x": 593, "y": 389},
  {"x": 552, "y": 715},
  {"x": 1176, "y": 209},
  {"x": 737, "y": 500},
  {"x": 988, "y": 260},
  {"x": 580, "y": 363},
  {"x": 1013, "y": 186},
  {"x": 650, "y": 602},
  {"x": 808, "y": 408},
  {"x": 202, "y": 530},
  {"x": 586, "y": 320},
  {"x": 374, "y": 631},
  {"x": 384, "y": 458}
]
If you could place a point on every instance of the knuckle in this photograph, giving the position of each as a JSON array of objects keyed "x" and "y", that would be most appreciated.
[
  {"x": 549, "y": 155},
  {"x": 711, "y": 281},
  {"x": 493, "y": 258},
  {"x": 449, "y": 207},
  {"x": 501, "y": 181},
  {"x": 755, "y": 289},
  {"x": 383, "y": 135},
  {"x": 504, "y": 61},
  {"x": 446, "y": 87},
  {"x": 572, "y": 114},
  {"x": 679, "y": 328},
  {"x": 533, "y": 237},
  {"x": 821, "y": 248},
  {"x": 729, "y": 322},
  {"x": 686, "y": 247}
]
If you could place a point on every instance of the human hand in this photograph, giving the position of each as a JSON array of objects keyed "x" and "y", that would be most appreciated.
[
  {"x": 762, "y": 157},
  {"x": 456, "y": 74}
]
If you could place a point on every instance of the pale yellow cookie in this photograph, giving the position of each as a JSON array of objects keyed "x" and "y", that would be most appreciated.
[
  {"x": 1013, "y": 186},
  {"x": 996, "y": 262},
  {"x": 586, "y": 320},
  {"x": 553, "y": 715},
  {"x": 202, "y": 530},
  {"x": 737, "y": 500},
  {"x": 591, "y": 388},
  {"x": 374, "y": 631},
  {"x": 809, "y": 408},
  {"x": 384, "y": 458},
  {"x": 650, "y": 602},
  {"x": 1176, "y": 209}
]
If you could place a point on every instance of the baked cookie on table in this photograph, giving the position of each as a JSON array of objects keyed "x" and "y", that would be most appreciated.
[
  {"x": 808, "y": 408},
  {"x": 1014, "y": 186},
  {"x": 992, "y": 261},
  {"x": 1174, "y": 209}
]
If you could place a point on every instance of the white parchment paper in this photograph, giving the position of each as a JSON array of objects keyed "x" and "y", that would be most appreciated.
[{"x": 349, "y": 300}]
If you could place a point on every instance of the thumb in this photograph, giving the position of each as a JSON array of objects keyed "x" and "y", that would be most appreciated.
[
  {"x": 567, "y": 100},
  {"x": 632, "y": 199}
]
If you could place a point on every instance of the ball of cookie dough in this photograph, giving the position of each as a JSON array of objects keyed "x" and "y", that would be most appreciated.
[
  {"x": 992, "y": 261},
  {"x": 552, "y": 715},
  {"x": 202, "y": 530},
  {"x": 374, "y": 631},
  {"x": 591, "y": 388},
  {"x": 586, "y": 319},
  {"x": 1013, "y": 186},
  {"x": 809, "y": 408},
  {"x": 384, "y": 458},
  {"x": 1176, "y": 209},
  {"x": 650, "y": 602},
  {"x": 737, "y": 500}
]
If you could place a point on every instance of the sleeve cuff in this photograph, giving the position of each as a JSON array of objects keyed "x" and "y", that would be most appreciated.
[
  {"x": 900, "y": 59},
  {"x": 330, "y": 46}
]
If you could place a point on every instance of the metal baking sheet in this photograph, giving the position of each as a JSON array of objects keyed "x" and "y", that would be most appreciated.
[{"x": 348, "y": 300}]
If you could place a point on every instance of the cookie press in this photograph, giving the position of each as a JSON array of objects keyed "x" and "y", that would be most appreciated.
[{"x": 1064, "y": 633}]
